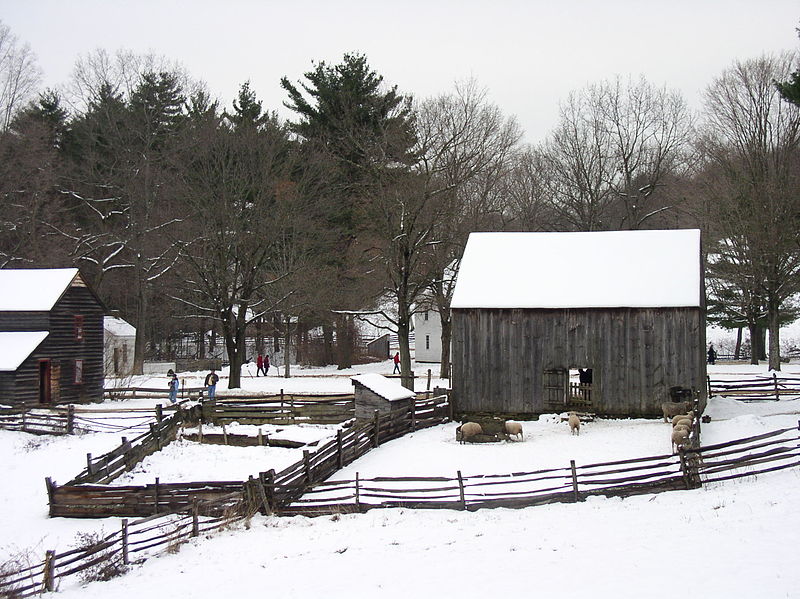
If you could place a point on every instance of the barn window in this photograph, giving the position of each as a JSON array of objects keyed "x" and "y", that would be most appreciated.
[
  {"x": 78, "y": 327},
  {"x": 427, "y": 341},
  {"x": 426, "y": 315},
  {"x": 78, "y": 372}
]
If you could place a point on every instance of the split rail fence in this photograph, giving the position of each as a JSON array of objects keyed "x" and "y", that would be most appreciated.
[
  {"x": 72, "y": 420},
  {"x": 690, "y": 468},
  {"x": 756, "y": 388}
]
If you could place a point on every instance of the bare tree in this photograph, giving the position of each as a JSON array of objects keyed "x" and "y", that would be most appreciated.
[
  {"x": 19, "y": 75},
  {"x": 752, "y": 145}
]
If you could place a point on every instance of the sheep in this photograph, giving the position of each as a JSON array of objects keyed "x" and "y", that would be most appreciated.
[
  {"x": 468, "y": 430},
  {"x": 680, "y": 436},
  {"x": 685, "y": 421},
  {"x": 670, "y": 408},
  {"x": 514, "y": 428},
  {"x": 574, "y": 424},
  {"x": 675, "y": 419}
]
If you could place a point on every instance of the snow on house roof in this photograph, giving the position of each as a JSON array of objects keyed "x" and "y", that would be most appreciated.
[
  {"x": 16, "y": 347},
  {"x": 384, "y": 387},
  {"x": 118, "y": 327},
  {"x": 33, "y": 289},
  {"x": 610, "y": 269}
]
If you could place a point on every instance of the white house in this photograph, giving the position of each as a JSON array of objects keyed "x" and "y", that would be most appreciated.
[
  {"x": 428, "y": 336},
  {"x": 119, "y": 338}
]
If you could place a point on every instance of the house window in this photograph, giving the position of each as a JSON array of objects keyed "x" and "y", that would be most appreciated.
[
  {"x": 427, "y": 340},
  {"x": 78, "y": 372},
  {"x": 426, "y": 315},
  {"x": 78, "y": 327}
]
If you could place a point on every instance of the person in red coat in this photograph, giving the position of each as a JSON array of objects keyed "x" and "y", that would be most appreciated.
[
  {"x": 260, "y": 364},
  {"x": 396, "y": 363}
]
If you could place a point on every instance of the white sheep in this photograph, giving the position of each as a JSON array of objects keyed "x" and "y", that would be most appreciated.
[
  {"x": 468, "y": 430},
  {"x": 574, "y": 423},
  {"x": 514, "y": 429},
  {"x": 680, "y": 436},
  {"x": 685, "y": 421},
  {"x": 670, "y": 408}
]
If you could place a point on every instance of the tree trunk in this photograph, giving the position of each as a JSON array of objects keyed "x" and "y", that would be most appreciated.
[
  {"x": 774, "y": 335},
  {"x": 738, "y": 348},
  {"x": 403, "y": 332},
  {"x": 344, "y": 342},
  {"x": 447, "y": 334},
  {"x": 327, "y": 336},
  {"x": 140, "y": 342},
  {"x": 201, "y": 339},
  {"x": 755, "y": 341},
  {"x": 287, "y": 338}
]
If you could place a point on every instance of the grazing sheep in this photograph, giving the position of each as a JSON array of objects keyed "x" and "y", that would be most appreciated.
[
  {"x": 515, "y": 429},
  {"x": 670, "y": 408},
  {"x": 680, "y": 436},
  {"x": 675, "y": 419},
  {"x": 468, "y": 430},
  {"x": 685, "y": 421},
  {"x": 683, "y": 427},
  {"x": 574, "y": 424}
]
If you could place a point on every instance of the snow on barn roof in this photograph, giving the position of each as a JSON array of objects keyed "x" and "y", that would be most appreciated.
[
  {"x": 33, "y": 289},
  {"x": 609, "y": 269},
  {"x": 15, "y": 347},
  {"x": 384, "y": 387},
  {"x": 118, "y": 327}
]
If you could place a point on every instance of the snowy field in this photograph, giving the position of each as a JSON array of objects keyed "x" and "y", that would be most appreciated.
[{"x": 727, "y": 539}]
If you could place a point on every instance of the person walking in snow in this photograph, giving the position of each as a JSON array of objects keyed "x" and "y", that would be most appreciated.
[
  {"x": 712, "y": 355},
  {"x": 396, "y": 363},
  {"x": 211, "y": 383},
  {"x": 266, "y": 365},
  {"x": 260, "y": 364},
  {"x": 174, "y": 384}
]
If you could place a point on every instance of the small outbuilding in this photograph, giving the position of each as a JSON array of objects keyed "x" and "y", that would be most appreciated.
[
  {"x": 605, "y": 322},
  {"x": 374, "y": 392},
  {"x": 51, "y": 338},
  {"x": 119, "y": 341}
]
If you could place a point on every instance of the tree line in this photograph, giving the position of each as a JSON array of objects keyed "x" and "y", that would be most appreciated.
[{"x": 191, "y": 216}]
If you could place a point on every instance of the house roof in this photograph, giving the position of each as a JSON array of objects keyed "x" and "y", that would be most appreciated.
[
  {"x": 384, "y": 387},
  {"x": 16, "y": 347},
  {"x": 643, "y": 269},
  {"x": 34, "y": 289},
  {"x": 118, "y": 327}
]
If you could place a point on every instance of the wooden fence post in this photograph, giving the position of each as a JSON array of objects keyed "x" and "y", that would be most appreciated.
[
  {"x": 708, "y": 379},
  {"x": 155, "y": 497},
  {"x": 377, "y": 429},
  {"x": 307, "y": 466},
  {"x": 262, "y": 480},
  {"x": 775, "y": 384},
  {"x": 260, "y": 437},
  {"x": 89, "y": 467},
  {"x": 23, "y": 420},
  {"x": 414, "y": 414},
  {"x": 49, "y": 571},
  {"x": 358, "y": 498},
  {"x": 461, "y": 495},
  {"x": 224, "y": 434},
  {"x": 156, "y": 435},
  {"x": 291, "y": 408},
  {"x": 200, "y": 432},
  {"x": 159, "y": 413},
  {"x": 339, "y": 454},
  {"x": 125, "y": 541},
  {"x": 70, "y": 419},
  {"x": 684, "y": 469},
  {"x": 574, "y": 480},
  {"x": 428, "y": 387},
  {"x": 270, "y": 484},
  {"x": 50, "y": 492}
]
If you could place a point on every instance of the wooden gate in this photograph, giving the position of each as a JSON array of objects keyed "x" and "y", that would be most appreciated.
[{"x": 555, "y": 388}]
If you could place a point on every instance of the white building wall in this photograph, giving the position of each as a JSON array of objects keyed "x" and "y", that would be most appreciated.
[{"x": 428, "y": 333}]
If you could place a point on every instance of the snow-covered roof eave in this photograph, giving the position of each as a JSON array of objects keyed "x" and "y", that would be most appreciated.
[
  {"x": 34, "y": 289},
  {"x": 604, "y": 270},
  {"x": 16, "y": 347}
]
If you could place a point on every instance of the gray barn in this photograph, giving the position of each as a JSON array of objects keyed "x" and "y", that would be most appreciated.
[{"x": 605, "y": 322}]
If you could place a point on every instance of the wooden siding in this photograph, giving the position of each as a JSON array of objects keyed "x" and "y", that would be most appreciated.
[
  {"x": 61, "y": 348},
  {"x": 500, "y": 356}
]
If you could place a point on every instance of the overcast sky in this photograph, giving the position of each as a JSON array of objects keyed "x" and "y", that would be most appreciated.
[{"x": 529, "y": 55}]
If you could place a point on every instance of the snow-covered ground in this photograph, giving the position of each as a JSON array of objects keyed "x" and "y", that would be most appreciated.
[{"x": 724, "y": 540}]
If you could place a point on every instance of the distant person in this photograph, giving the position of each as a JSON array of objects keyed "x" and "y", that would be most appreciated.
[
  {"x": 396, "y": 363},
  {"x": 260, "y": 364},
  {"x": 585, "y": 376},
  {"x": 211, "y": 383},
  {"x": 174, "y": 384},
  {"x": 266, "y": 365},
  {"x": 712, "y": 355}
]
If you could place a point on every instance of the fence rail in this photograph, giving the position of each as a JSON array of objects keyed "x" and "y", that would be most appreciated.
[{"x": 756, "y": 388}]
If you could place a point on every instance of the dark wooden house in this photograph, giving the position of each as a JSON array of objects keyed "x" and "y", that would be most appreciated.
[
  {"x": 532, "y": 311},
  {"x": 51, "y": 338},
  {"x": 374, "y": 392}
]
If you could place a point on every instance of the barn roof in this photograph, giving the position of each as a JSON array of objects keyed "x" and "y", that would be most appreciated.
[
  {"x": 611, "y": 269},
  {"x": 384, "y": 387},
  {"x": 16, "y": 347},
  {"x": 118, "y": 327},
  {"x": 34, "y": 289}
]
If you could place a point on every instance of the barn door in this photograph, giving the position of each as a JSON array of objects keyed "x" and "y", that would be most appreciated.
[{"x": 555, "y": 388}]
